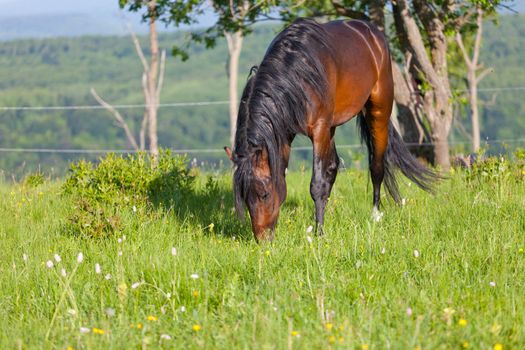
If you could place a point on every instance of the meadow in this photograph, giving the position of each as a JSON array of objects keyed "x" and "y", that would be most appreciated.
[{"x": 441, "y": 271}]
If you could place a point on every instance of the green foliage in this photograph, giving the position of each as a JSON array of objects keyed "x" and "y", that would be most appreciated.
[
  {"x": 34, "y": 179},
  {"x": 121, "y": 184}
]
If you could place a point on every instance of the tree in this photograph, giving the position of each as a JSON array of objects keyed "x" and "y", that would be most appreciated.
[
  {"x": 473, "y": 77},
  {"x": 234, "y": 20}
]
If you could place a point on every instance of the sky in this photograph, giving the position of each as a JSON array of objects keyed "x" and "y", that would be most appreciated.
[{"x": 18, "y": 18}]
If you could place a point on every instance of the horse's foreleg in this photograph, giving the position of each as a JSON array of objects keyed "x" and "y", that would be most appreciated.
[{"x": 325, "y": 165}]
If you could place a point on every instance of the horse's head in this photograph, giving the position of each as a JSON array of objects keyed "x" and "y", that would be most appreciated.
[{"x": 260, "y": 189}]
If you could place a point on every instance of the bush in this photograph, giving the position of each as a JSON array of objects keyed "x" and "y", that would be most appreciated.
[{"x": 117, "y": 184}]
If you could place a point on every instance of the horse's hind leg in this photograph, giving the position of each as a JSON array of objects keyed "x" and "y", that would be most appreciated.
[
  {"x": 325, "y": 165},
  {"x": 377, "y": 118}
]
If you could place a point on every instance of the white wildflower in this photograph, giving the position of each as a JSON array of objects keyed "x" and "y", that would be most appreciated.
[
  {"x": 383, "y": 250},
  {"x": 165, "y": 337},
  {"x": 120, "y": 253},
  {"x": 409, "y": 311},
  {"x": 63, "y": 272},
  {"x": 309, "y": 229},
  {"x": 110, "y": 312},
  {"x": 80, "y": 257},
  {"x": 49, "y": 264},
  {"x": 57, "y": 258},
  {"x": 134, "y": 209},
  {"x": 135, "y": 285},
  {"x": 108, "y": 276},
  {"x": 173, "y": 251},
  {"x": 25, "y": 257},
  {"x": 98, "y": 270},
  {"x": 492, "y": 284},
  {"x": 183, "y": 308},
  {"x": 416, "y": 253},
  {"x": 194, "y": 276},
  {"x": 85, "y": 330},
  {"x": 309, "y": 239}
]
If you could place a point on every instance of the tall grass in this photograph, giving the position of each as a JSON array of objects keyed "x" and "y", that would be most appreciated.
[{"x": 440, "y": 272}]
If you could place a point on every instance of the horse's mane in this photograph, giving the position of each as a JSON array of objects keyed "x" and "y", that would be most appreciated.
[{"x": 275, "y": 100}]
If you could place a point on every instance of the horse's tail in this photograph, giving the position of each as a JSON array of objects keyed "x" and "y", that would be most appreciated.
[{"x": 397, "y": 157}]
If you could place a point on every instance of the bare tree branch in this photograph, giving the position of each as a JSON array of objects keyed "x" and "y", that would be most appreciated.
[
  {"x": 162, "y": 69},
  {"x": 122, "y": 123},
  {"x": 138, "y": 48}
]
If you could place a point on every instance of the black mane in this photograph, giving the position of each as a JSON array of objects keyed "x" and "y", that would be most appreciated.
[{"x": 275, "y": 100}]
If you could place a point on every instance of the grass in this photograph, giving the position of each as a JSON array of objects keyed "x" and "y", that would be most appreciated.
[{"x": 441, "y": 272}]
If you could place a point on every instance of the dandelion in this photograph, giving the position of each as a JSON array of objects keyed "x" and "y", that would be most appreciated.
[
  {"x": 364, "y": 346},
  {"x": 492, "y": 284},
  {"x": 152, "y": 318},
  {"x": 194, "y": 276},
  {"x": 309, "y": 239},
  {"x": 69, "y": 347},
  {"x": 196, "y": 327},
  {"x": 465, "y": 344},
  {"x": 135, "y": 285},
  {"x": 98, "y": 331},
  {"x": 57, "y": 258},
  {"x": 416, "y": 253},
  {"x": 84, "y": 330},
  {"x": 309, "y": 229},
  {"x": 80, "y": 257},
  {"x": 63, "y": 272},
  {"x": 328, "y": 326},
  {"x": 267, "y": 253},
  {"x": 211, "y": 226},
  {"x": 173, "y": 251},
  {"x": 498, "y": 346},
  {"x": 98, "y": 270},
  {"x": 108, "y": 276},
  {"x": 409, "y": 311},
  {"x": 182, "y": 308},
  {"x": 295, "y": 334},
  {"x": 49, "y": 264},
  {"x": 195, "y": 293},
  {"x": 331, "y": 339},
  {"x": 165, "y": 337},
  {"x": 462, "y": 322},
  {"x": 25, "y": 257},
  {"x": 139, "y": 325}
]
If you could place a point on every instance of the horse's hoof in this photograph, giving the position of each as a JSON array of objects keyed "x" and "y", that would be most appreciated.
[
  {"x": 319, "y": 230},
  {"x": 376, "y": 214}
]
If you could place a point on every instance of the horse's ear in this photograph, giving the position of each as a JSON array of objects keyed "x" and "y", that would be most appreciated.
[{"x": 228, "y": 151}]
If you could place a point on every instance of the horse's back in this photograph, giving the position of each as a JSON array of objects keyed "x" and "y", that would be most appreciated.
[{"x": 361, "y": 62}]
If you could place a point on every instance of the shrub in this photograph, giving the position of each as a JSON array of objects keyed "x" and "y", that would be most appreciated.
[
  {"x": 103, "y": 191},
  {"x": 34, "y": 180}
]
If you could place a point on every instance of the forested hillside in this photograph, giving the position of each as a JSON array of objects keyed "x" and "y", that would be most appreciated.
[{"x": 60, "y": 72}]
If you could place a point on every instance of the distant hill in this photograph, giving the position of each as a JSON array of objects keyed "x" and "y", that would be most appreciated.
[{"x": 61, "y": 71}]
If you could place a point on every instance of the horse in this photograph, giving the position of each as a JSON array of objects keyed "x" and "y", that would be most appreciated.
[{"x": 313, "y": 78}]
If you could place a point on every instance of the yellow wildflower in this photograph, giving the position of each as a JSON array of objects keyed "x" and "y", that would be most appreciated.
[
  {"x": 498, "y": 346},
  {"x": 98, "y": 331},
  {"x": 462, "y": 322},
  {"x": 364, "y": 346},
  {"x": 295, "y": 334},
  {"x": 69, "y": 347},
  {"x": 520, "y": 250},
  {"x": 139, "y": 325},
  {"x": 195, "y": 293},
  {"x": 152, "y": 318},
  {"x": 267, "y": 253},
  {"x": 131, "y": 325},
  {"x": 331, "y": 340},
  {"x": 465, "y": 344},
  {"x": 341, "y": 340},
  {"x": 196, "y": 327},
  {"x": 328, "y": 326}
]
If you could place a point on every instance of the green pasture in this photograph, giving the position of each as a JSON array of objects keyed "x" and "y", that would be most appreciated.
[{"x": 443, "y": 271}]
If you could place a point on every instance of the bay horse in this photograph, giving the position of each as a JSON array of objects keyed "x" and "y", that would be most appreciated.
[{"x": 313, "y": 78}]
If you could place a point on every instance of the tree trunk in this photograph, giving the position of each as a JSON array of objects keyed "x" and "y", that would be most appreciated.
[
  {"x": 234, "y": 41},
  {"x": 152, "y": 104},
  {"x": 473, "y": 79}
]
